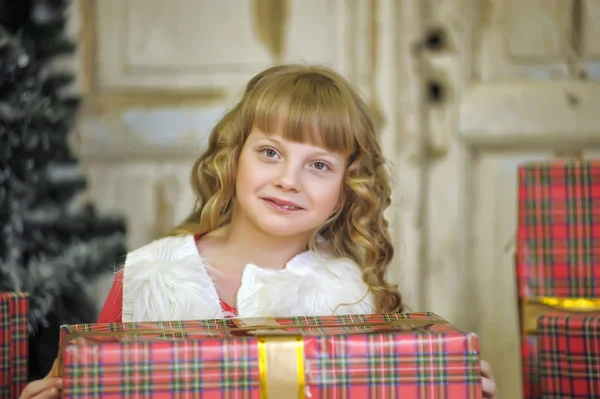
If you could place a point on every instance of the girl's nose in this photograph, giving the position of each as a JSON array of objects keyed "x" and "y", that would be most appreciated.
[{"x": 289, "y": 178}]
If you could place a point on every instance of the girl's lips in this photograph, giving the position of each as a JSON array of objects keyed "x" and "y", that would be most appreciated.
[{"x": 281, "y": 205}]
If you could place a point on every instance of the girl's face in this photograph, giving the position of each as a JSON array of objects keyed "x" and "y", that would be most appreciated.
[{"x": 286, "y": 188}]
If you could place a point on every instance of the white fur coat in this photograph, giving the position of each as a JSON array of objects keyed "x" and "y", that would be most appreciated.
[{"x": 168, "y": 280}]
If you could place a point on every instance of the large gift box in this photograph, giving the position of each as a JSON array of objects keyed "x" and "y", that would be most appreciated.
[
  {"x": 569, "y": 356},
  {"x": 14, "y": 343},
  {"x": 558, "y": 256},
  {"x": 417, "y": 355}
]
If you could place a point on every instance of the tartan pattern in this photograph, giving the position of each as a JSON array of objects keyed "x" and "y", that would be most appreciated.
[
  {"x": 569, "y": 356},
  {"x": 434, "y": 361},
  {"x": 191, "y": 327},
  {"x": 5, "y": 344},
  {"x": 529, "y": 362},
  {"x": 558, "y": 243},
  {"x": 14, "y": 343},
  {"x": 221, "y": 327}
]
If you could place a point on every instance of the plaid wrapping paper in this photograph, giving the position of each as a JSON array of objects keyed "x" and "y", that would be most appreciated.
[
  {"x": 569, "y": 356},
  {"x": 558, "y": 248},
  {"x": 210, "y": 359},
  {"x": 529, "y": 359},
  {"x": 14, "y": 343},
  {"x": 558, "y": 239}
]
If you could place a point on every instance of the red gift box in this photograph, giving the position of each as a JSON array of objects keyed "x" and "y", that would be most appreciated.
[
  {"x": 357, "y": 356},
  {"x": 569, "y": 356},
  {"x": 14, "y": 343},
  {"x": 557, "y": 256}
]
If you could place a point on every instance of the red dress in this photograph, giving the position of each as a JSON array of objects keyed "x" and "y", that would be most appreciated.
[{"x": 112, "y": 311}]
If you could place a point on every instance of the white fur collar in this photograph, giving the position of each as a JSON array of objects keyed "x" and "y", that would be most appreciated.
[{"x": 168, "y": 280}]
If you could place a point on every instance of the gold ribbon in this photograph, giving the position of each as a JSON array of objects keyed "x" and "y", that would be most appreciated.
[
  {"x": 281, "y": 366},
  {"x": 533, "y": 308},
  {"x": 281, "y": 352}
]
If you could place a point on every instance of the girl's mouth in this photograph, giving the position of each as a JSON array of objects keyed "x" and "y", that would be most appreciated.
[{"x": 281, "y": 205}]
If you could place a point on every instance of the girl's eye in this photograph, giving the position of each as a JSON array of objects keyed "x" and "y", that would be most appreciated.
[
  {"x": 320, "y": 166},
  {"x": 269, "y": 152}
]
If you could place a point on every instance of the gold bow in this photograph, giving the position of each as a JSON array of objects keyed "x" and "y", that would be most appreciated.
[{"x": 533, "y": 308}]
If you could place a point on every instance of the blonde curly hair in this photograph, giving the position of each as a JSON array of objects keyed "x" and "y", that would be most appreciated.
[{"x": 319, "y": 107}]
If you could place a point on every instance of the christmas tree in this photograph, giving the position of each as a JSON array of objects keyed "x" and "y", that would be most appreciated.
[{"x": 51, "y": 245}]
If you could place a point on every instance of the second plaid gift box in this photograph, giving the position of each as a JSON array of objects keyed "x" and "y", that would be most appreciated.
[
  {"x": 14, "y": 343},
  {"x": 359, "y": 356}
]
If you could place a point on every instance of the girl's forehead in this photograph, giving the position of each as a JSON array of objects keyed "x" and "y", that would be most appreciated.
[
  {"x": 329, "y": 132},
  {"x": 316, "y": 143}
]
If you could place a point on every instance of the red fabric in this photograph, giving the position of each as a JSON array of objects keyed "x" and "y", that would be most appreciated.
[
  {"x": 113, "y": 307},
  {"x": 112, "y": 311},
  {"x": 226, "y": 308}
]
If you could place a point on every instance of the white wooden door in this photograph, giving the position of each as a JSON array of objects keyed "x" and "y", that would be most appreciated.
[{"x": 519, "y": 80}]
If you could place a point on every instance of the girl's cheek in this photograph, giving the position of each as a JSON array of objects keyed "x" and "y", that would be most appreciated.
[{"x": 324, "y": 187}]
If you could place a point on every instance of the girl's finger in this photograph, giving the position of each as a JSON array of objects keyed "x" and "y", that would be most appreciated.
[
  {"x": 47, "y": 394},
  {"x": 489, "y": 388},
  {"x": 36, "y": 387},
  {"x": 486, "y": 369}
]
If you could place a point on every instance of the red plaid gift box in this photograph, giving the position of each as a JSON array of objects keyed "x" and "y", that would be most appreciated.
[
  {"x": 569, "y": 356},
  {"x": 558, "y": 255},
  {"x": 14, "y": 343},
  {"x": 359, "y": 356}
]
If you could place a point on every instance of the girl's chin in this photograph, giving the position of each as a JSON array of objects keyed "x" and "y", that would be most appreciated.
[{"x": 283, "y": 228}]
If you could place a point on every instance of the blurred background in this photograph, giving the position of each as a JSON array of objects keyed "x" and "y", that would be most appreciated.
[{"x": 466, "y": 91}]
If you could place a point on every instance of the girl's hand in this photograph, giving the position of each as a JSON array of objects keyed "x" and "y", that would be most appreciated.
[
  {"x": 487, "y": 381},
  {"x": 47, "y": 388}
]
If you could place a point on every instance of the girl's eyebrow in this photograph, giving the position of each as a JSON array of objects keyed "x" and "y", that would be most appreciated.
[
  {"x": 328, "y": 154},
  {"x": 274, "y": 140}
]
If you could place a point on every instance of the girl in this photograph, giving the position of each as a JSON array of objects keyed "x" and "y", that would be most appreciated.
[{"x": 288, "y": 221}]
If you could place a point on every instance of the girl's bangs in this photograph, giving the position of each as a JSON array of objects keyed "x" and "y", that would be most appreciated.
[{"x": 308, "y": 108}]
